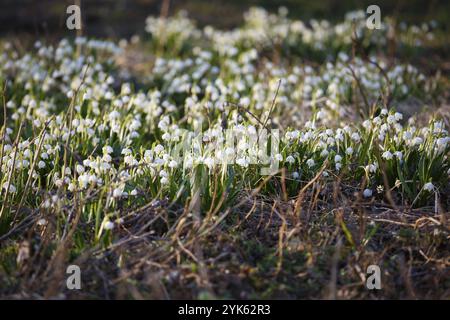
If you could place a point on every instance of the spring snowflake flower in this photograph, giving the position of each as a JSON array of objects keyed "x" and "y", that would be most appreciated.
[
  {"x": 117, "y": 193},
  {"x": 107, "y": 150},
  {"x": 126, "y": 151},
  {"x": 290, "y": 159},
  {"x": 71, "y": 187},
  {"x": 164, "y": 180},
  {"x": 428, "y": 186},
  {"x": 310, "y": 163},
  {"x": 398, "y": 155},
  {"x": 355, "y": 137},
  {"x": 387, "y": 155},
  {"x": 12, "y": 188},
  {"x": 173, "y": 164},
  {"x": 109, "y": 225},
  {"x": 41, "y": 164},
  {"x": 114, "y": 115},
  {"x": 278, "y": 157},
  {"x": 243, "y": 162},
  {"x": 337, "y": 158},
  {"x": 367, "y": 193},
  {"x": 295, "y": 175},
  {"x": 159, "y": 148},
  {"x": 417, "y": 141},
  {"x": 79, "y": 168},
  {"x": 349, "y": 151}
]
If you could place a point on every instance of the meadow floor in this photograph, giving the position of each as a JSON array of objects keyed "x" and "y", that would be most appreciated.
[{"x": 91, "y": 173}]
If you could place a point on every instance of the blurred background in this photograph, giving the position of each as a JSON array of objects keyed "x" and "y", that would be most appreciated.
[{"x": 124, "y": 18}]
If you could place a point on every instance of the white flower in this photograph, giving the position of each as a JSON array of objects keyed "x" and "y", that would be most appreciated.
[
  {"x": 209, "y": 162},
  {"x": 109, "y": 225},
  {"x": 428, "y": 186},
  {"x": 349, "y": 151},
  {"x": 310, "y": 163},
  {"x": 159, "y": 148},
  {"x": 372, "y": 168},
  {"x": 367, "y": 193},
  {"x": 398, "y": 155},
  {"x": 324, "y": 153},
  {"x": 41, "y": 164},
  {"x": 79, "y": 168},
  {"x": 337, "y": 158},
  {"x": 113, "y": 115},
  {"x": 290, "y": 159},
  {"x": 173, "y": 164},
  {"x": 387, "y": 155},
  {"x": 295, "y": 175},
  {"x": 12, "y": 188},
  {"x": 83, "y": 180},
  {"x": 134, "y": 192},
  {"x": 417, "y": 141},
  {"x": 278, "y": 157},
  {"x": 126, "y": 151},
  {"x": 243, "y": 162},
  {"x": 164, "y": 180},
  {"x": 107, "y": 149},
  {"x": 356, "y": 137},
  {"x": 117, "y": 193}
]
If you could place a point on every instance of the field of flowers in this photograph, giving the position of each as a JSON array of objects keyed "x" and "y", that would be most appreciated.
[{"x": 276, "y": 160}]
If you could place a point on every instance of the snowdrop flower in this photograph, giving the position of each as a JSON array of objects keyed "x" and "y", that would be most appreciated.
[
  {"x": 337, "y": 158},
  {"x": 295, "y": 175},
  {"x": 310, "y": 163},
  {"x": 41, "y": 164}
]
